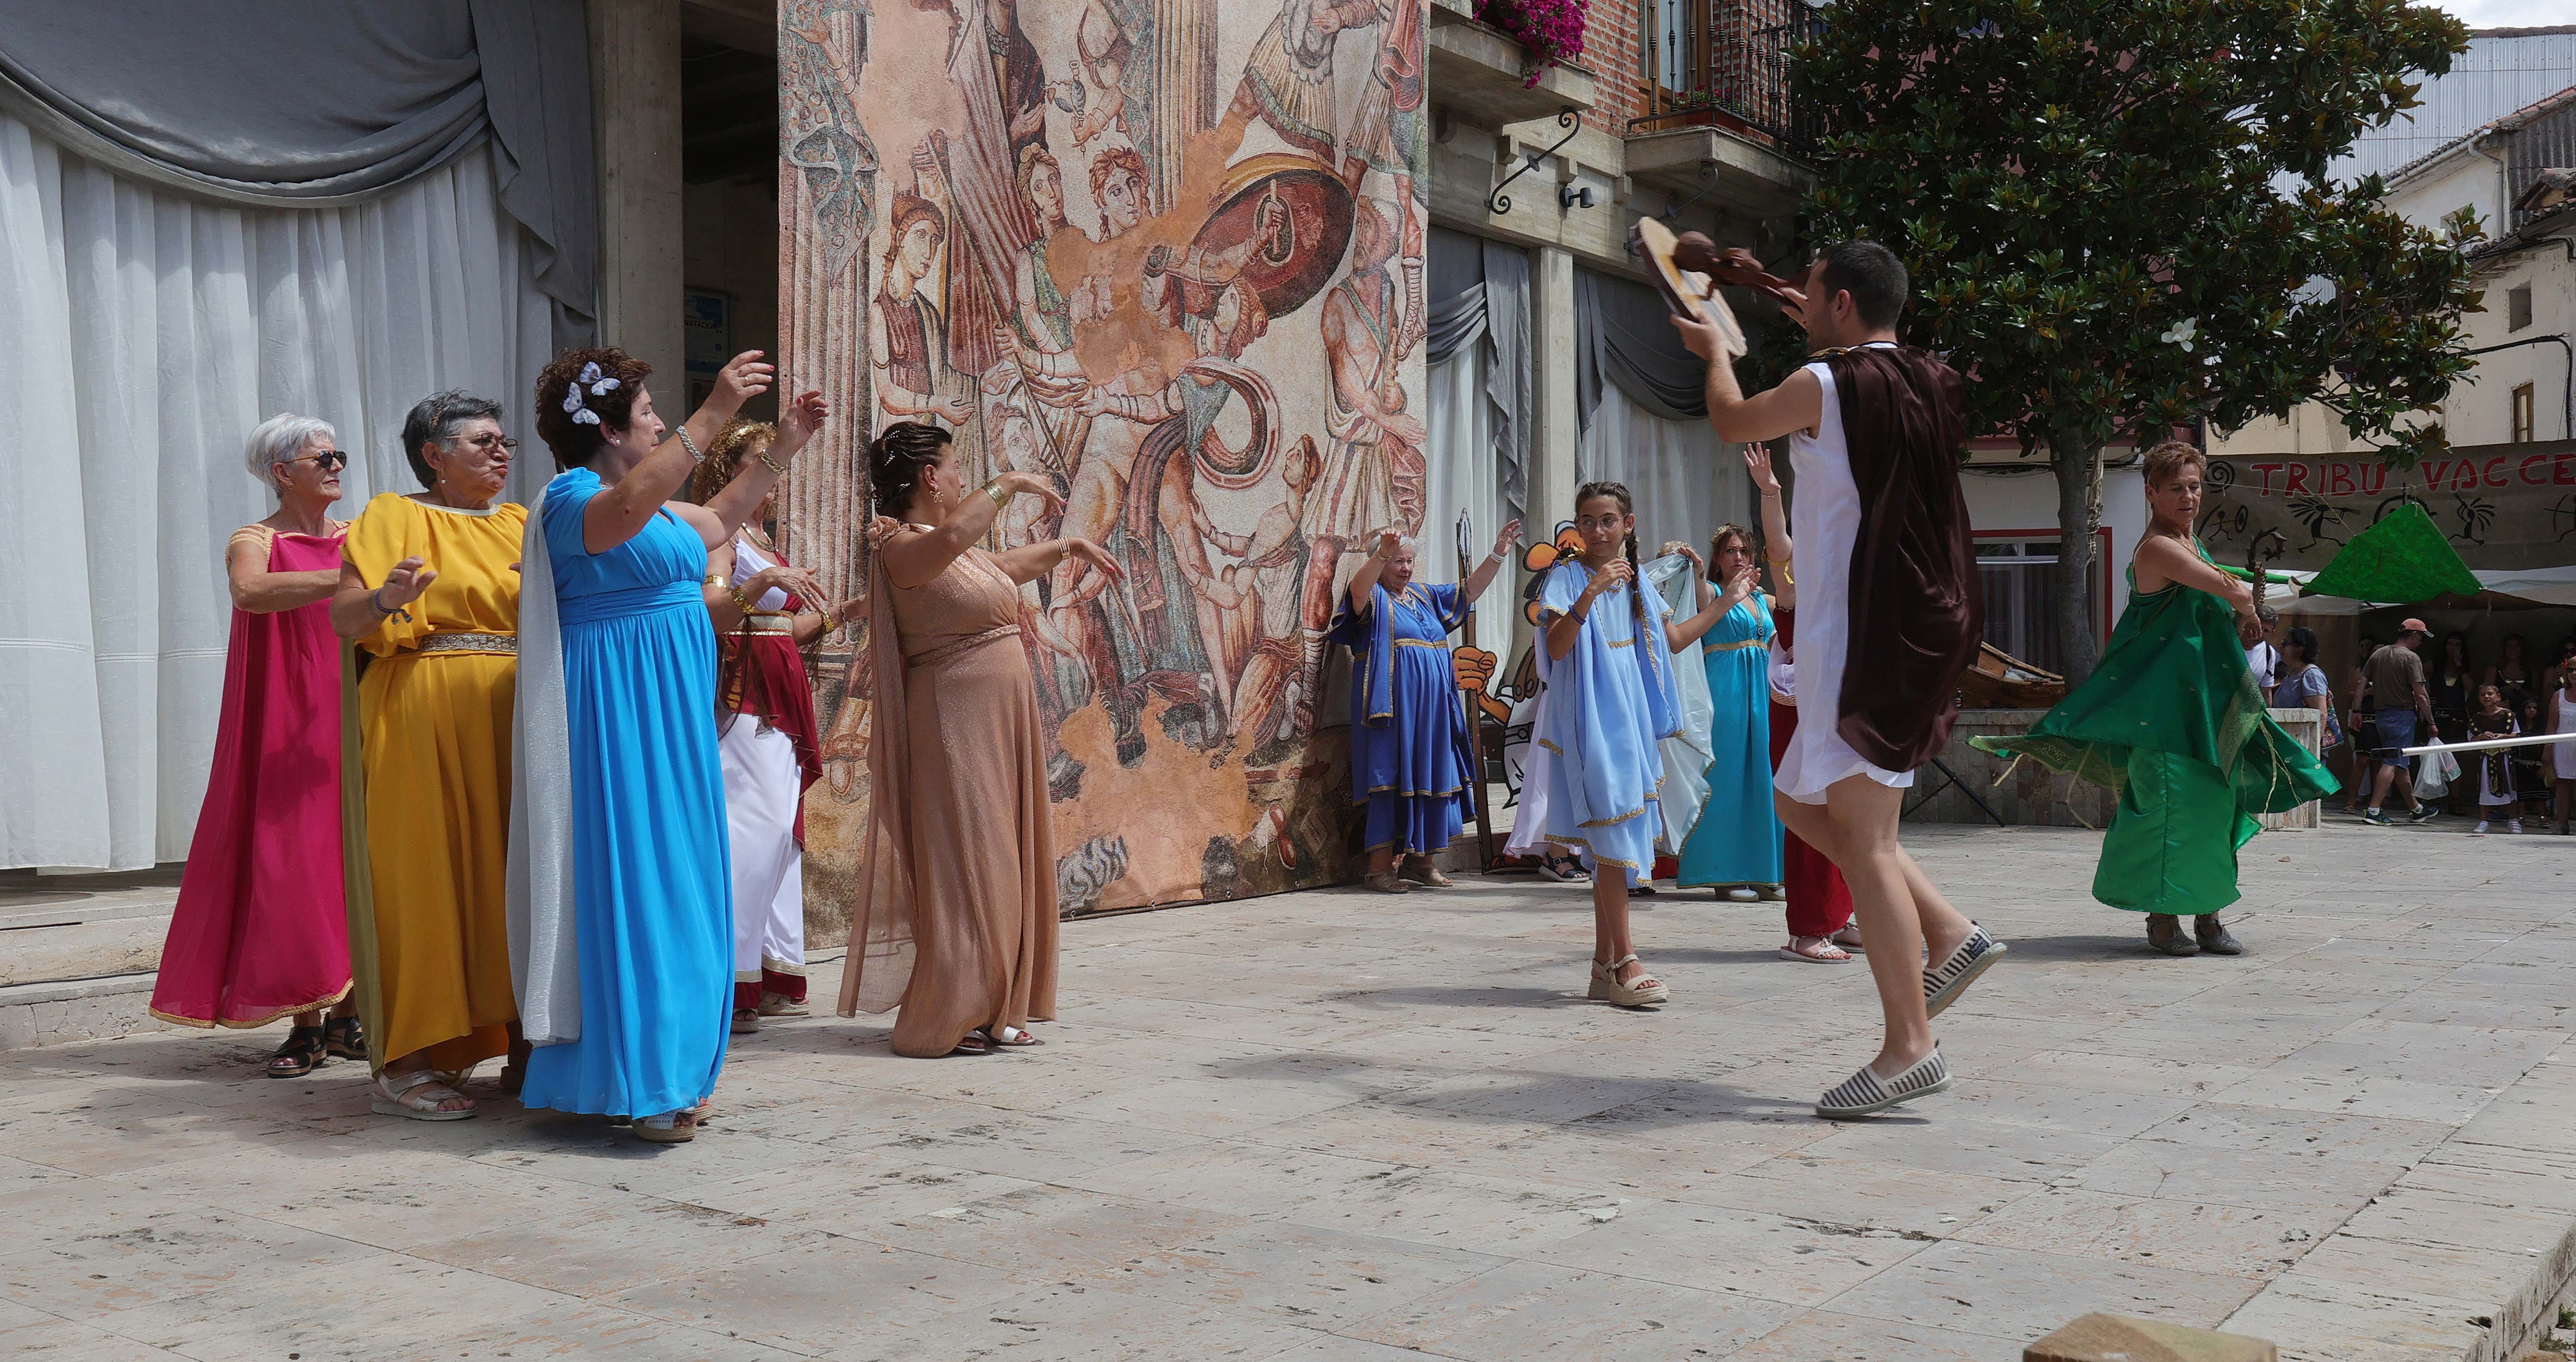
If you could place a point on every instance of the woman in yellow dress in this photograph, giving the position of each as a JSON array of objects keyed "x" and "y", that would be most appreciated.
[{"x": 429, "y": 592}]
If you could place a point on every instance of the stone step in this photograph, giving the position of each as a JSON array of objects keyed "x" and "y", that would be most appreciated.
[{"x": 77, "y": 953}]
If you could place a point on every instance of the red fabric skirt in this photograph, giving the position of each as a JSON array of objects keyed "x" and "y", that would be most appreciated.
[
  {"x": 762, "y": 675},
  {"x": 1819, "y": 902}
]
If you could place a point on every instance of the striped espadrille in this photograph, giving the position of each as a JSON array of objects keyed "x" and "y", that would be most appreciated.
[
  {"x": 1943, "y": 984},
  {"x": 1865, "y": 1092}
]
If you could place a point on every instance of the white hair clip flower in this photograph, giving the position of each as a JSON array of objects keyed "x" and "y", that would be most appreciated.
[{"x": 599, "y": 384}]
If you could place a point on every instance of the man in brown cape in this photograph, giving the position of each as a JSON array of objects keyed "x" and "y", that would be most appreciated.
[{"x": 1889, "y": 616}]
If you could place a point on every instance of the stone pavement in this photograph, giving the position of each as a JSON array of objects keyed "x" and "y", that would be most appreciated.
[{"x": 1339, "y": 1125}]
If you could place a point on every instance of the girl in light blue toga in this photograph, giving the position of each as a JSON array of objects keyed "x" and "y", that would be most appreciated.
[{"x": 1610, "y": 701}]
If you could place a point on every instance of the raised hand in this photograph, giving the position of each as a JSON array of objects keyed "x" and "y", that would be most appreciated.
[
  {"x": 1614, "y": 576},
  {"x": 1387, "y": 543},
  {"x": 743, "y": 378},
  {"x": 1506, "y": 538},
  {"x": 1098, "y": 557},
  {"x": 1741, "y": 586},
  {"x": 1033, "y": 485},
  {"x": 803, "y": 418},
  {"x": 1757, "y": 462},
  {"x": 1698, "y": 564},
  {"x": 405, "y": 583}
]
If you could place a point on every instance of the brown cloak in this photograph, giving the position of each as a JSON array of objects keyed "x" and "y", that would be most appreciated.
[{"x": 1917, "y": 614}]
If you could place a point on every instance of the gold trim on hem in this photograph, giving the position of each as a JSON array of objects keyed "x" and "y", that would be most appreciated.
[
  {"x": 269, "y": 1020},
  {"x": 1614, "y": 822}
]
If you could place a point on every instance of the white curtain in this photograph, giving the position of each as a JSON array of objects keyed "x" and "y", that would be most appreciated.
[
  {"x": 142, "y": 335},
  {"x": 1685, "y": 481},
  {"x": 1464, "y": 475}
]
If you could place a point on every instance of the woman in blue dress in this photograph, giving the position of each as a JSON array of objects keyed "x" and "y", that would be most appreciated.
[
  {"x": 1736, "y": 842},
  {"x": 1610, "y": 703},
  {"x": 621, "y": 901},
  {"x": 1412, "y": 757}
]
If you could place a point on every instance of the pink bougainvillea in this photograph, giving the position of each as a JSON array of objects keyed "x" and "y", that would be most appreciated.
[{"x": 1552, "y": 30}]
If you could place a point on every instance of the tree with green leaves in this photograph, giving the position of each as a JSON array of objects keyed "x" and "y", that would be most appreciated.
[{"x": 2091, "y": 197}]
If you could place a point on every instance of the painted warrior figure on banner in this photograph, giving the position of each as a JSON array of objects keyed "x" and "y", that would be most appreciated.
[{"x": 1200, "y": 321}]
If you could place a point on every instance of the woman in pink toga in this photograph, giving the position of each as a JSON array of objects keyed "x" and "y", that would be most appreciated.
[{"x": 260, "y": 931}]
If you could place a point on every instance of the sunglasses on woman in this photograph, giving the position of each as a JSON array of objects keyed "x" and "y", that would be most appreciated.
[{"x": 331, "y": 460}]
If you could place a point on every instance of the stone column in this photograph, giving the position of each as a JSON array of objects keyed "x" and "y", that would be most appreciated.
[
  {"x": 1554, "y": 428},
  {"x": 635, "y": 119}
]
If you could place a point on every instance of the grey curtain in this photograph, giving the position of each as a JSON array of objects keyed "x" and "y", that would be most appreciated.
[
  {"x": 287, "y": 103},
  {"x": 1623, "y": 337},
  {"x": 1479, "y": 294}
]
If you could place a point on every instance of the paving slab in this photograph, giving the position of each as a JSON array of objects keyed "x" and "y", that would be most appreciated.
[{"x": 1329, "y": 1126}]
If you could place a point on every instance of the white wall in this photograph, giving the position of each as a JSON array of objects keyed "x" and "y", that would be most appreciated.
[{"x": 2025, "y": 498}]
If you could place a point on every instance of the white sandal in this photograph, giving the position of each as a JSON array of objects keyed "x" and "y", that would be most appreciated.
[
  {"x": 416, "y": 1096},
  {"x": 1607, "y": 988},
  {"x": 1824, "y": 944}
]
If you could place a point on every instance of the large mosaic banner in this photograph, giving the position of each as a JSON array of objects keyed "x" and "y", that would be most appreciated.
[
  {"x": 1168, "y": 254},
  {"x": 2502, "y": 506}
]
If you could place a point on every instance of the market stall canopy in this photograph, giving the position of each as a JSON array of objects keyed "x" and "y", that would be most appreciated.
[{"x": 2403, "y": 560}]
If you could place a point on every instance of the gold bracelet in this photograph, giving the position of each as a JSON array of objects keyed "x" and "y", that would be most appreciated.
[
  {"x": 771, "y": 464},
  {"x": 994, "y": 490},
  {"x": 743, "y": 603}
]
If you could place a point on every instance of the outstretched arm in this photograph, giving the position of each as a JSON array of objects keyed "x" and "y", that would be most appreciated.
[
  {"x": 917, "y": 557},
  {"x": 741, "y": 498},
  {"x": 1473, "y": 589},
  {"x": 1775, "y": 524},
  {"x": 1680, "y": 634},
  {"x": 621, "y": 512},
  {"x": 1364, "y": 581},
  {"x": 1797, "y": 404}
]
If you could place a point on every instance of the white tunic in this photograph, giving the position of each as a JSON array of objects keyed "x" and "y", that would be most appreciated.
[{"x": 1824, "y": 523}]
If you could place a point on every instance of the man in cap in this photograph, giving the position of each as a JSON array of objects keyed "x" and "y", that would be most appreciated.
[{"x": 2395, "y": 676}]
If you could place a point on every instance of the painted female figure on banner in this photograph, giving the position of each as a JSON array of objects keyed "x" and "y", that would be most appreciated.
[{"x": 907, "y": 338}]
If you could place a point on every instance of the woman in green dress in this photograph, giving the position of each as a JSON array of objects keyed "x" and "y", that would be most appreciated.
[{"x": 2172, "y": 720}]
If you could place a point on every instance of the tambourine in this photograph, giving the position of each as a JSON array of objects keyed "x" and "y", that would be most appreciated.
[{"x": 1687, "y": 269}]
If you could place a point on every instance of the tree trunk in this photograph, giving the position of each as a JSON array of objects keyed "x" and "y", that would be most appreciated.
[{"x": 2078, "y": 517}]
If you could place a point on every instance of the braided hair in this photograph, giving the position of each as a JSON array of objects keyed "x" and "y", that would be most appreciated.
[
  {"x": 897, "y": 458},
  {"x": 1618, "y": 491}
]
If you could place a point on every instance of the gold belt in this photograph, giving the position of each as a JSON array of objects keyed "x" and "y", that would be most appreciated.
[
  {"x": 1739, "y": 644},
  {"x": 470, "y": 643},
  {"x": 769, "y": 624},
  {"x": 967, "y": 644}
]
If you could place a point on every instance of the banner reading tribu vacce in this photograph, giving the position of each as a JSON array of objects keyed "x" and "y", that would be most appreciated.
[{"x": 1169, "y": 255}]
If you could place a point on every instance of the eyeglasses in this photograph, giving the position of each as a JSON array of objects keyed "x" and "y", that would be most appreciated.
[
  {"x": 331, "y": 460},
  {"x": 488, "y": 443}
]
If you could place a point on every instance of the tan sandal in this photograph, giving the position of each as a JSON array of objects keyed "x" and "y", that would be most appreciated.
[
  {"x": 1388, "y": 882},
  {"x": 1606, "y": 986},
  {"x": 671, "y": 1127},
  {"x": 418, "y": 1096},
  {"x": 1428, "y": 875}
]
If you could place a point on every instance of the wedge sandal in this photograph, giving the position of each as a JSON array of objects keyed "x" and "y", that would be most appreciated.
[{"x": 1647, "y": 990}]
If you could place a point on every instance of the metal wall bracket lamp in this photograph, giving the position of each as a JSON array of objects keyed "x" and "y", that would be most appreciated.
[{"x": 1499, "y": 202}]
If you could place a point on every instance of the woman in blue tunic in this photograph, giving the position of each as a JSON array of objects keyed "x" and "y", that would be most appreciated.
[
  {"x": 1412, "y": 757},
  {"x": 625, "y": 961},
  {"x": 1736, "y": 842},
  {"x": 1609, "y": 703}
]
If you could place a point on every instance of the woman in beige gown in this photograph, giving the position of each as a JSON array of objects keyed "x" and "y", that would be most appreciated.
[{"x": 956, "y": 920}]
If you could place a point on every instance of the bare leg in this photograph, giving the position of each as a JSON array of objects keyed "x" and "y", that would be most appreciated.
[
  {"x": 1856, "y": 829},
  {"x": 1610, "y": 939},
  {"x": 1381, "y": 860},
  {"x": 2379, "y": 785}
]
